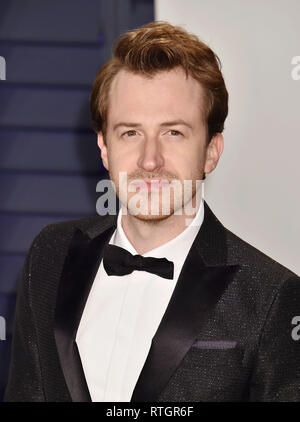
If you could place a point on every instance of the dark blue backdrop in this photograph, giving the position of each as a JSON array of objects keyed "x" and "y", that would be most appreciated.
[{"x": 49, "y": 161}]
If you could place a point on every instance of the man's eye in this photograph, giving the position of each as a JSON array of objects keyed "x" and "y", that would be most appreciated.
[
  {"x": 130, "y": 133},
  {"x": 175, "y": 132}
]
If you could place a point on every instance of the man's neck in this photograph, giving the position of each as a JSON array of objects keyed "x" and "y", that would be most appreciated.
[{"x": 146, "y": 235}]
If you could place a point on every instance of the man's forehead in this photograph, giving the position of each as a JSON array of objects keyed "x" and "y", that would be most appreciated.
[
  {"x": 177, "y": 75},
  {"x": 170, "y": 89}
]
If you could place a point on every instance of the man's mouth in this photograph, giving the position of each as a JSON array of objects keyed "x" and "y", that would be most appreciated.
[{"x": 151, "y": 184}]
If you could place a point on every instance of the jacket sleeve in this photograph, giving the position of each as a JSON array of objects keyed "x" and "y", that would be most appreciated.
[
  {"x": 276, "y": 374},
  {"x": 25, "y": 380}
]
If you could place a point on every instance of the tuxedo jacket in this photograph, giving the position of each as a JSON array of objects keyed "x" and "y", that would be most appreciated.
[{"x": 228, "y": 332}]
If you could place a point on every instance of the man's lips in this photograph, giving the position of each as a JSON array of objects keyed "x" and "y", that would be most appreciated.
[{"x": 151, "y": 184}]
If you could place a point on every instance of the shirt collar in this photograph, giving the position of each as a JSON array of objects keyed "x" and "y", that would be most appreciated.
[{"x": 174, "y": 250}]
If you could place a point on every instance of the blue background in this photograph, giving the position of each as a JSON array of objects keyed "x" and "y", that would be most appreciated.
[{"x": 49, "y": 160}]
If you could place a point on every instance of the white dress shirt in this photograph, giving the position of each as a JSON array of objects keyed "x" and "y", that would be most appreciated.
[{"x": 122, "y": 314}]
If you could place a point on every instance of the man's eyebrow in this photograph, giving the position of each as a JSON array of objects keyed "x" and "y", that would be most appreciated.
[
  {"x": 176, "y": 122},
  {"x": 126, "y": 124},
  {"x": 170, "y": 123}
]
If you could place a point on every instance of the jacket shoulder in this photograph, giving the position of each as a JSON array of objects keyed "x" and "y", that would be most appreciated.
[
  {"x": 263, "y": 272},
  {"x": 54, "y": 235}
]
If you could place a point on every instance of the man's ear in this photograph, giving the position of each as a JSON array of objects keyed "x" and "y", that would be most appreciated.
[
  {"x": 103, "y": 149},
  {"x": 213, "y": 152}
]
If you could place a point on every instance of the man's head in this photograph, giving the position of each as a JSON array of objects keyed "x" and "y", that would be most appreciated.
[{"x": 159, "y": 107}]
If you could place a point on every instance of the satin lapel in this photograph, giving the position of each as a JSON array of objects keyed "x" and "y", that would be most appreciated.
[
  {"x": 204, "y": 277},
  {"x": 79, "y": 271}
]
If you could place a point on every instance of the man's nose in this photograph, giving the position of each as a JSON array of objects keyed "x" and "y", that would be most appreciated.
[{"x": 151, "y": 155}]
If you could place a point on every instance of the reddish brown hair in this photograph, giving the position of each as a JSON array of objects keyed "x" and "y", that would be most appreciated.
[{"x": 160, "y": 46}]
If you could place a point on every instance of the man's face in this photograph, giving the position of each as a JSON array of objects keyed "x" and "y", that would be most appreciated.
[{"x": 155, "y": 131}]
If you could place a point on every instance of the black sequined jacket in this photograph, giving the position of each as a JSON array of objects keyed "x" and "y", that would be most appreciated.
[{"x": 228, "y": 333}]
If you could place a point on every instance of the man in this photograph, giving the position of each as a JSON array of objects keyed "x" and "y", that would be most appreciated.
[{"x": 150, "y": 305}]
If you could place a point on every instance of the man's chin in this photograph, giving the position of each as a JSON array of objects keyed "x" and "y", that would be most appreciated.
[
  {"x": 150, "y": 217},
  {"x": 154, "y": 215}
]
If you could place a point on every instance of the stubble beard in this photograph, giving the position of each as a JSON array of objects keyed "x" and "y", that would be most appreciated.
[{"x": 175, "y": 205}]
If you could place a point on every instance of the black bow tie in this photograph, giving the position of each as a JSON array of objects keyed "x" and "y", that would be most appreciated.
[{"x": 118, "y": 261}]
